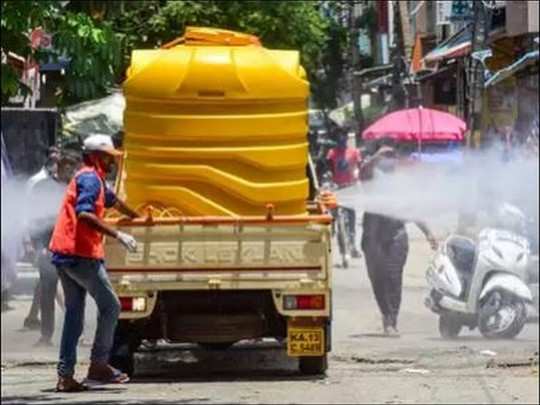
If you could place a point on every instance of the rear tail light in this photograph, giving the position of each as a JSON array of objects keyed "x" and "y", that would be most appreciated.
[
  {"x": 316, "y": 301},
  {"x": 133, "y": 304}
]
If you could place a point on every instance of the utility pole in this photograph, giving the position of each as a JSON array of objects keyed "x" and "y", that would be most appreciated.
[
  {"x": 356, "y": 83},
  {"x": 406, "y": 32},
  {"x": 480, "y": 35},
  {"x": 399, "y": 99}
]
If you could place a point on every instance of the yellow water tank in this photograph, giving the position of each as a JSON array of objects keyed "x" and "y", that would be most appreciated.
[{"x": 216, "y": 125}]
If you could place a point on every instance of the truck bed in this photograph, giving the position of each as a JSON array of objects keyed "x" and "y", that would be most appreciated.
[{"x": 249, "y": 253}]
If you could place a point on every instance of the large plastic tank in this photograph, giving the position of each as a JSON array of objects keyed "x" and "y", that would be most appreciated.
[{"x": 216, "y": 129}]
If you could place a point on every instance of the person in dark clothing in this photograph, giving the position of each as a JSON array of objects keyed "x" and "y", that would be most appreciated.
[
  {"x": 48, "y": 193},
  {"x": 344, "y": 163},
  {"x": 47, "y": 173},
  {"x": 385, "y": 245}
]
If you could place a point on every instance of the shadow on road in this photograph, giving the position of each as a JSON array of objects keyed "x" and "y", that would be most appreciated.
[
  {"x": 373, "y": 335},
  {"x": 239, "y": 363},
  {"x": 478, "y": 339},
  {"x": 225, "y": 376},
  {"x": 87, "y": 398}
]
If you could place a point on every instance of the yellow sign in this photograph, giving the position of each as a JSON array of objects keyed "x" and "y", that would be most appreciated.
[
  {"x": 499, "y": 107},
  {"x": 306, "y": 341}
]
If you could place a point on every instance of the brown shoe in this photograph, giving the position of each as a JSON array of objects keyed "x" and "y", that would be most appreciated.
[
  {"x": 105, "y": 373},
  {"x": 69, "y": 384}
]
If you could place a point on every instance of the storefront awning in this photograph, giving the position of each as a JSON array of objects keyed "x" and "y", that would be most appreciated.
[
  {"x": 454, "y": 47},
  {"x": 528, "y": 59}
]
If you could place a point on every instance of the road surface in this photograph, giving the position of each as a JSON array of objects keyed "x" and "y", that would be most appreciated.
[{"x": 364, "y": 367}]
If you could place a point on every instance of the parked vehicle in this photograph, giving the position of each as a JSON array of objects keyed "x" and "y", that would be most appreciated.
[
  {"x": 235, "y": 245},
  {"x": 482, "y": 284}
]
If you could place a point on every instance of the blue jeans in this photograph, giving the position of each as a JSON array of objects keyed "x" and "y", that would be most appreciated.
[{"x": 86, "y": 276}]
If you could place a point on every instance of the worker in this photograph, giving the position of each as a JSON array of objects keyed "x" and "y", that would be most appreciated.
[
  {"x": 47, "y": 194},
  {"x": 46, "y": 174},
  {"x": 9, "y": 223},
  {"x": 344, "y": 163},
  {"x": 385, "y": 246},
  {"x": 78, "y": 253}
]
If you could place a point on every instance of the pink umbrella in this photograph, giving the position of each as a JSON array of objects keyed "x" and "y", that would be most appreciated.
[{"x": 417, "y": 125}]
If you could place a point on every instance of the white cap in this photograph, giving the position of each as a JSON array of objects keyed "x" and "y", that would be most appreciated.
[{"x": 101, "y": 143}]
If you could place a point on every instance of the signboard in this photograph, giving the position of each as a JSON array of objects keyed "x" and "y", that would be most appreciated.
[
  {"x": 443, "y": 11},
  {"x": 364, "y": 42},
  {"x": 500, "y": 105},
  {"x": 462, "y": 10}
]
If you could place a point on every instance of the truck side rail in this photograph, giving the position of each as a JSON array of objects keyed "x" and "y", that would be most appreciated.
[{"x": 321, "y": 217}]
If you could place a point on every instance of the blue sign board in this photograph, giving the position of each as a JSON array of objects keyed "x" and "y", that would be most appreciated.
[{"x": 462, "y": 10}]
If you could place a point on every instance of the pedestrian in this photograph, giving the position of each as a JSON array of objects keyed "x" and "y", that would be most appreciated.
[
  {"x": 47, "y": 197},
  {"x": 47, "y": 174},
  {"x": 344, "y": 163},
  {"x": 385, "y": 245},
  {"x": 10, "y": 237},
  {"x": 78, "y": 254}
]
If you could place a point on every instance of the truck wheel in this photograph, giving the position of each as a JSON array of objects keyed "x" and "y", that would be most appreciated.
[
  {"x": 313, "y": 365},
  {"x": 125, "y": 363},
  {"x": 125, "y": 344},
  {"x": 449, "y": 327}
]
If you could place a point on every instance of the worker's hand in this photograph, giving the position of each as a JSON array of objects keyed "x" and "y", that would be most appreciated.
[
  {"x": 123, "y": 220},
  {"x": 127, "y": 240}
]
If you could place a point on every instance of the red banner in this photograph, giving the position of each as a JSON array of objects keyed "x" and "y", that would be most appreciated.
[{"x": 382, "y": 16}]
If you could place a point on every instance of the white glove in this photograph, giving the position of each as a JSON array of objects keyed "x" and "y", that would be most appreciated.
[{"x": 127, "y": 240}]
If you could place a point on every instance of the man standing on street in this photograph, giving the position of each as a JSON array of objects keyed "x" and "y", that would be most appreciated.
[
  {"x": 344, "y": 162},
  {"x": 78, "y": 253},
  {"x": 386, "y": 247},
  {"x": 46, "y": 195},
  {"x": 46, "y": 174}
]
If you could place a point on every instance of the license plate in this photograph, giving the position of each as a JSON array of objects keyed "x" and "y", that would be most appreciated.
[{"x": 305, "y": 341}]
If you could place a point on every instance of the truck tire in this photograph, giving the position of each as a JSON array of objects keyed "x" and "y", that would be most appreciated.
[
  {"x": 125, "y": 344},
  {"x": 313, "y": 365},
  {"x": 125, "y": 363}
]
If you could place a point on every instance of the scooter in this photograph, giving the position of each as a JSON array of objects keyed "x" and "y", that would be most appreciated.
[{"x": 481, "y": 284}]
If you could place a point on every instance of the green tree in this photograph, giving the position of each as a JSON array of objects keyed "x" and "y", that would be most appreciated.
[
  {"x": 91, "y": 46},
  {"x": 279, "y": 24},
  {"x": 326, "y": 80},
  {"x": 98, "y": 36},
  {"x": 17, "y": 20}
]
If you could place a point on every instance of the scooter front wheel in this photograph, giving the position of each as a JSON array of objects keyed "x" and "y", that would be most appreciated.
[{"x": 502, "y": 315}]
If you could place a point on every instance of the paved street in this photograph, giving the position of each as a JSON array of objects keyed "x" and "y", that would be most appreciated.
[{"x": 419, "y": 367}]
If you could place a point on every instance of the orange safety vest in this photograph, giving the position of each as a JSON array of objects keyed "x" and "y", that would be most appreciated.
[{"x": 71, "y": 236}]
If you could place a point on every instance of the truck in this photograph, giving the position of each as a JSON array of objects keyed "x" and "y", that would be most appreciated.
[
  {"x": 217, "y": 271},
  {"x": 215, "y": 281}
]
